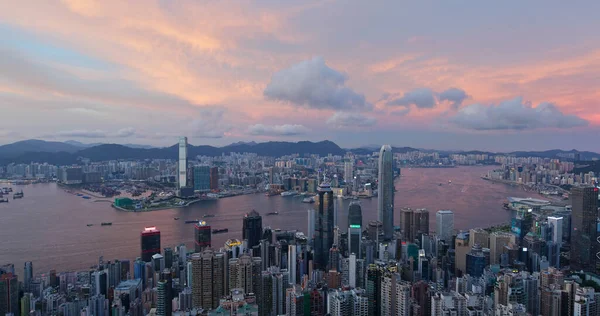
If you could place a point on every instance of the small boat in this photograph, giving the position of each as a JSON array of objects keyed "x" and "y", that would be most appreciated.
[
  {"x": 176, "y": 218},
  {"x": 192, "y": 221},
  {"x": 272, "y": 213},
  {"x": 308, "y": 200},
  {"x": 4, "y": 201},
  {"x": 277, "y": 229},
  {"x": 289, "y": 193},
  {"x": 18, "y": 195},
  {"x": 86, "y": 197},
  {"x": 440, "y": 184},
  {"x": 221, "y": 230},
  {"x": 106, "y": 224},
  {"x": 90, "y": 225},
  {"x": 208, "y": 215}
]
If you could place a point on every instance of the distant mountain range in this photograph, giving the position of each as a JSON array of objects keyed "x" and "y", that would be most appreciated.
[{"x": 69, "y": 152}]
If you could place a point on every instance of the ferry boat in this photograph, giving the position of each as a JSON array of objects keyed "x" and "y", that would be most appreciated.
[
  {"x": 272, "y": 213},
  {"x": 191, "y": 221},
  {"x": 289, "y": 193},
  {"x": 221, "y": 230},
  {"x": 4, "y": 201},
  {"x": 18, "y": 195},
  {"x": 106, "y": 224},
  {"x": 308, "y": 200}
]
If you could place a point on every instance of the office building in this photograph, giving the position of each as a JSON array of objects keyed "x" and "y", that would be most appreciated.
[
  {"x": 475, "y": 261},
  {"x": 202, "y": 178},
  {"x": 202, "y": 236},
  {"x": 28, "y": 278},
  {"x": 414, "y": 223},
  {"x": 324, "y": 218},
  {"x": 348, "y": 171},
  {"x": 183, "y": 163},
  {"x": 461, "y": 249},
  {"x": 214, "y": 178},
  {"x": 150, "y": 243},
  {"x": 498, "y": 242},
  {"x": 164, "y": 294},
  {"x": 208, "y": 278},
  {"x": 385, "y": 198},
  {"x": 355, "y": 229},
  {"x": 479, "y": 236},
  {"x": 9, "y": 294},
  {"x": 584, "y": 202},
  {"x": 444, "y": 221},
  {"x": 252, "y": 229}
]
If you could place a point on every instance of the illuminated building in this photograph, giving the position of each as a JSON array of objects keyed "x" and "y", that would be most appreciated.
[
  {"x": 202, "y": 236},
  {"x": 150, "y": 242}
]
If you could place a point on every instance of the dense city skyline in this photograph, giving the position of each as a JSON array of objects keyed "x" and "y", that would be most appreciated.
[{"x": 482, "y": 76}]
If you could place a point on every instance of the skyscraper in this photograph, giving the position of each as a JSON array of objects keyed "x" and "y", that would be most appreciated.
[
  {"x": 414, "y": 223},
  {"x": 214, "y": 178},
  {"x": 28, "y": 270},
  {"x": 354, "y": 228},
  {"x": 150, "y": 242},
  {"x": 444, "y": 221},
  {"x": 202, "y": 178},
  {"x": 252, "y": 229},
  {"x": 584, "y": 201},
  {"x": 348, "y": 171},
  {"x": 385, "y": 198},
  {"x": 324, "y": 218},
  {"x": 183, "y": 163},
  {"x": 208, "y": 278},
  {"x": 164, "y": 291},
  {"x": 202, "y": 236},
  {"x": 9, "y": 294}
]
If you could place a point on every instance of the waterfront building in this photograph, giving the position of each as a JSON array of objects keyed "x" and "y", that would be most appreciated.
[
  {"x": 202, "y": 178},
  {"x": 252, "y": 229},
  {"x": 355, "y": 229},
  {"x": 202, "y": 236},
  {"x": 183, "y": 163},
  {"x": 214, "y": 178},
  {"x": 324, "y": 223},
  {"x": 385, "y": 198},
  {"x": 150, "y": 243},
  {"x": 444, "y": 221},
  {"x": 584, "y": 201}
]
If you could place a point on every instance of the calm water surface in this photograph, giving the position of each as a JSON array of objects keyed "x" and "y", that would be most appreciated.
[{"x": 48, "y": 226}]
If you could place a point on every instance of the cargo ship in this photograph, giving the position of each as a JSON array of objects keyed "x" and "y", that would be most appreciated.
[
  {"x": 106, "y": 224},
  {"x": 221, "y": 230},
  {"x": 192, "y": 221}
]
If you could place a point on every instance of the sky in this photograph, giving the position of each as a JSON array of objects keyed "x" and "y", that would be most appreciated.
[{"x": 487, "y": 75}]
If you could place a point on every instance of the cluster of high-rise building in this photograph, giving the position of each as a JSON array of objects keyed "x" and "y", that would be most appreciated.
[{"x": 543, "y": 263}]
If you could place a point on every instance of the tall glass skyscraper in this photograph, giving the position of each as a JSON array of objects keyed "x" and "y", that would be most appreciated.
[
  {"x": 324, "y": 218},
  {"x": 182, "y": 167},
  {"x": 584, "y": 247},
  {"x": 252, "y": 228},
  {"x": 385, "y": 198},
  {"x": 444, "y": 221},
  {"x": 202, "y": 178},
  {"x": 354, "y": 229}
]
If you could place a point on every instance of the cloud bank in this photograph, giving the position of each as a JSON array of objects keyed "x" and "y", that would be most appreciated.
[
  {"x": 454, "y": 95},
  {"x": 426, "y": 98},
  {"x": 277, "y": 130},
  {"x": 342, "y": 119},
  {"x": 313, "y": 84},
  {"x": 515, "y": 115},
  {"x": 209, "y": 123}
]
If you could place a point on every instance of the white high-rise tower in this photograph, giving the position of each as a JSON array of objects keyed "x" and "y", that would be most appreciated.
[
  {"x": 182, "y": 167},
  {"x": 385, "y": 199}
]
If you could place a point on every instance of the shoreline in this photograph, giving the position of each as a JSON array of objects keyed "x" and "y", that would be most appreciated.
[{"x": 118, "y": 208}]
